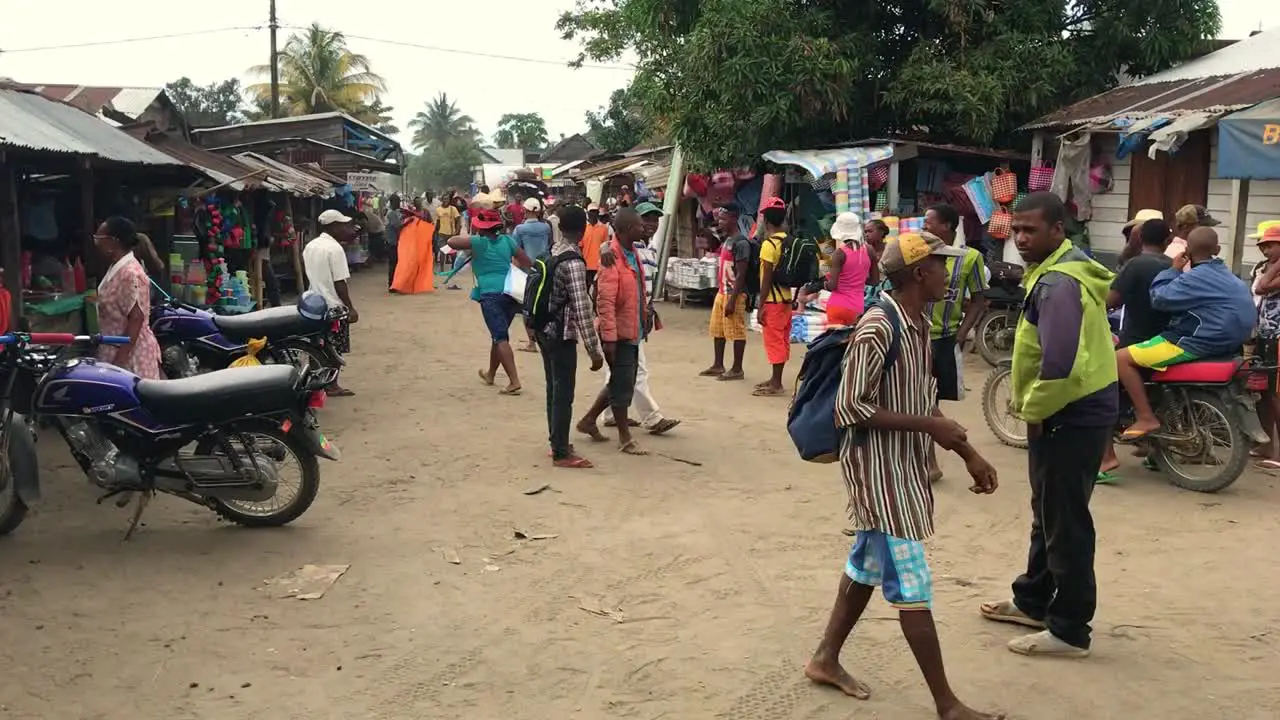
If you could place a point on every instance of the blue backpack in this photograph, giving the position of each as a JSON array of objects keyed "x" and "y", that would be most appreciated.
[{"x": 811, "y": 421}]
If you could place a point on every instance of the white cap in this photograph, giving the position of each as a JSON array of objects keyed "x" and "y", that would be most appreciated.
[
  {"x": 848, "y": 226},
  {"x": 332, "y": 217},
  {"x": 532, "y": 205}
]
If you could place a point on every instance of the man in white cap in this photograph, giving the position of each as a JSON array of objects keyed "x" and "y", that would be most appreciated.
[
  {"x": 534, "y": 237},
  {"x": 325, "y": 263}
]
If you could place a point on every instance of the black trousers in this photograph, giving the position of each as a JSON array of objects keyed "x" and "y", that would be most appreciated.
[
  {"x": 271, "y": 283},
  {"x": 560, "y": 363},
  {"x": 392, "y": 257},
  {"x": 1059, "y": 586}
]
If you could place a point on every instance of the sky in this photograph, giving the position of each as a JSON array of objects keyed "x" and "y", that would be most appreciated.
[{"x": 483, "y": 87}]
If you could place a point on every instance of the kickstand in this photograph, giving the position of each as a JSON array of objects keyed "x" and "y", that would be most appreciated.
[{"x": 143, "y": 498}]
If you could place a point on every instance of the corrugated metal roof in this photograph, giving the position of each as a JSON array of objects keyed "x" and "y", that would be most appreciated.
[
  {"x": 1233, "y": 78},
  {"x": 33, "y": 122},
  {"x": 219, "y": 168},
  {"x": 290, "y": 178},
  {"x": 1251, "y": 54},
  {"x": 129, "y": 101}
]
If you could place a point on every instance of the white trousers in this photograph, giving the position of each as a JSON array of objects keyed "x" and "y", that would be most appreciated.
[{"x": 644, "y": 407}]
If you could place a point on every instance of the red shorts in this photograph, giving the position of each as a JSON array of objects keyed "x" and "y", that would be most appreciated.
[
  {"x": 776, "y": 319},
  {"x": 838, "y": 315}
]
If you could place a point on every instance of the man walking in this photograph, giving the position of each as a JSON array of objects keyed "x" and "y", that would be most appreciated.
[
  {"x": 596, "y": 235},
  {"x": 729, "y": 312},
  {"x": 624, "y": 322},
  {"x": 888, "y": 411},
  {"x": 533, "y": 235},
  {"x": 573, "y": 320},
  {"x": 325, "y": 263},
  {"x": 1064, "y": 386},
  {"x": 648, "y": 413}
]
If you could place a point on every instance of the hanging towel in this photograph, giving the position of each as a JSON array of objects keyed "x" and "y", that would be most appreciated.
[{"x": 1071, "y": 175}]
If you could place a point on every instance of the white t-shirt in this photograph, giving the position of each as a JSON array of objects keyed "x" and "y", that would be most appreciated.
[{"x": 325, "y": 263}]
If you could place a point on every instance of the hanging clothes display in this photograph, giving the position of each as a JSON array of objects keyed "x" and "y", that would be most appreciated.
[
  {"x": 1071, "y": 176},
  {"x": 415, "y": 257}
]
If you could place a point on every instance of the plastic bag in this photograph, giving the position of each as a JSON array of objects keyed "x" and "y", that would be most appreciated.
[
  {"x": 250, "y": 358},
  {"x": 513, "y": 286}
]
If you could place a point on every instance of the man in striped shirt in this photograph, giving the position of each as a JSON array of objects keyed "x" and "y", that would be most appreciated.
[{"x": 887, "y": 405}]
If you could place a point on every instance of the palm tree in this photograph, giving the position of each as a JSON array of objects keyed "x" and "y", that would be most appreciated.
[
  {"x": 319, "y": 74},
  {"x": 441, "y": 124}
]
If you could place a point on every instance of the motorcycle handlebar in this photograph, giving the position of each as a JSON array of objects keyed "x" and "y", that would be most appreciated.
[{"x": 61, "y": 339}]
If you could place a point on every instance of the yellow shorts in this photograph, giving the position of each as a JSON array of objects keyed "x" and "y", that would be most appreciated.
[
  {"x": 733, "y": 327},
  {"x": 1158, "y": 354}
]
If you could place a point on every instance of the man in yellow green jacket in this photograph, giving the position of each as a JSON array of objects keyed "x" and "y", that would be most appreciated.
[{"x": 1065, "y": 388}]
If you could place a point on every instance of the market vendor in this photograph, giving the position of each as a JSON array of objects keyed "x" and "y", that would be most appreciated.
[{"x": 124, "y": 301}]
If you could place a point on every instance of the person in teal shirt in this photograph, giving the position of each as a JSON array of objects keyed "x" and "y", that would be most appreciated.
[{"x": 491, "y": 258}]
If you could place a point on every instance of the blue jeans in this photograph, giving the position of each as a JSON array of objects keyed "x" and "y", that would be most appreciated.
[{"x": 498, "y": 310}]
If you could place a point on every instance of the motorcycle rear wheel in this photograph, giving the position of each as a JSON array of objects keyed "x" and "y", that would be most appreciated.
[
  {"x": 1007, "y": 429},
  {"x": 1211, "y": 404},
  {"x": 12, "y": 510},
  {"x": 989, "y": 336},
  {"x": 309, "y": 485}
]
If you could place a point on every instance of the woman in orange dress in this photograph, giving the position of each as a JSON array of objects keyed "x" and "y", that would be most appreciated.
[{"x": 124, "y": 301}]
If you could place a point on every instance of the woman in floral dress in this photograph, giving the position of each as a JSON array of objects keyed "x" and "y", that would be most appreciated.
[{"x": 124, "y": 301}]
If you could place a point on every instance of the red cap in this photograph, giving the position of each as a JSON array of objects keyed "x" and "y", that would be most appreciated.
[
  {"x": 486, "y": 219},
  {"x": 774, "y": 203}
]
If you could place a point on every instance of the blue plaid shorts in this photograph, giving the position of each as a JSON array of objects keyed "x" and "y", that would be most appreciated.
[{"x": 897, "y": 566}]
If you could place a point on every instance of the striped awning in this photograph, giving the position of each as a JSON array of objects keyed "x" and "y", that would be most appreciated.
[{"x": 822, "y": 162}]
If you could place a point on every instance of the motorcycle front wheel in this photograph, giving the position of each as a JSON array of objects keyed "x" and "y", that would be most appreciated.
[
  {"x": 269, "y": 443},
  {"x": 997, "y": 408},
  {"x": 994, "y": 335},
  {"x": 1218, "y": 452},
  {"x": 12, "y": 510}
]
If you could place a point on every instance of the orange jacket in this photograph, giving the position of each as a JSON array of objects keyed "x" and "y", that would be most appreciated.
[
  {"x": 592, "y": 239},
  {"x": 620, "y": 298}
]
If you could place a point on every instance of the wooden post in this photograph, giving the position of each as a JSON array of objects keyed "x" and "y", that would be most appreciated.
[
  {"x": 92, "y": 263},
  {"x": 295, "y": 251},
  {"x": 1239, "y": 223},
  {"x": 1037, "y": 148},
  {"x": 895, "y": 178},
  {"x": 11, "y": 236}
]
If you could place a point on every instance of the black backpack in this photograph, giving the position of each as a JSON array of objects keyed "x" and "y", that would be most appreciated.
[
  {"x": 537, "y": 289},
  {"x": 799, "y": 264},
  {"x": 811, "y": 420},
  {"x": 752, "y": 290}
]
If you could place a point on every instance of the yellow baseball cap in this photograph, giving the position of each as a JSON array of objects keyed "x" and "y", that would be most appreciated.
[
  {"x": 1143, "y": 216},
  {"x": 910, "y": 248}
]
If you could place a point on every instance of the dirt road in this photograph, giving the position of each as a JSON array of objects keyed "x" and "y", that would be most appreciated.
[{"x": 668, "y": 591}]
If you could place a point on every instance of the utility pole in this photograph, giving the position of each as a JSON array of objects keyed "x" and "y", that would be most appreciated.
[{"x": 275, "y": 65}]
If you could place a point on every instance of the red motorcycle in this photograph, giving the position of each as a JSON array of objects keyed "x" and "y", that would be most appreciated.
[{"x": 1208, "y": 421}]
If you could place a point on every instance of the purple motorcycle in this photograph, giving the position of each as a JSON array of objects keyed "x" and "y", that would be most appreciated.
[
  {"x": 193, "y": 341},
  {"x": 242, "y": 442}
]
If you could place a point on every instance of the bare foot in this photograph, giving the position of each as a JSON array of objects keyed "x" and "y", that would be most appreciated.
[
  {"x": 836, "y": 676},
  {"x": 1107, "y": 467},
  {"x": 591, "y": 431},
  {"x": 960, "y": 711},
  {"x": 1141, "y": 428},
  {"x": 510, "y": 390}
]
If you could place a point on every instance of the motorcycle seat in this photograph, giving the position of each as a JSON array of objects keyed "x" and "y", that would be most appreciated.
[
  {"x": 221, "y": 395},
  {"x": 1209, "y": 371},
  {"x": 272, "y": 324}
]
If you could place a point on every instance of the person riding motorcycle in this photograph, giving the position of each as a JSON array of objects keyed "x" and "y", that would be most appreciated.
[{"x": 1213, "y": 314}]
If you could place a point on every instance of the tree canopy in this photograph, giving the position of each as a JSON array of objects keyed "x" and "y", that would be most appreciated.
[
  {"x": 211, "y": 105},
  {"x": 620, "y": 126},
  {"x": 731, "y": 79},
  {"x": 319, "y": 73},
  {"x": 526, "y": 131},
  {"x": 442, "y": 124}
]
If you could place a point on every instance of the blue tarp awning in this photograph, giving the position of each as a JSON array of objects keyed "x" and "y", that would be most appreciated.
[{"x": 1249, "y": 143}]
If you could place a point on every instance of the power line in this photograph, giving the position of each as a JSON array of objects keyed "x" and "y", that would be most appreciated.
[
  {"x": 474, "y": 53},
  {"x": 97, "y": 43}
]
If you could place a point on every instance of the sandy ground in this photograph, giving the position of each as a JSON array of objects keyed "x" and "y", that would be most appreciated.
[{"x": 722, "y": 575}]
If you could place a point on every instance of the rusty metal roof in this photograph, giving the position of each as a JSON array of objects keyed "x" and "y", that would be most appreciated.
[
  {"x": 30, "y": 121},
  {"x": 291, "y": 178},
  {"x": 1172, "y": 98},
  {"x": 1238, "y": 76}
]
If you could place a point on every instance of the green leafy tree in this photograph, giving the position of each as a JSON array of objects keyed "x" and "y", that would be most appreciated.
[
  {"x": 319, "y": 73},
  {"x": 730, "y": 79},
  {"x": 378, "y": 116},
  {"x": 442, "y": 124},
  {"x": 620, "y": 126},
  {"x": 450, "y": 166},
  {"x": 218, "y": 103},
  {"x": 526, "y": 131}
]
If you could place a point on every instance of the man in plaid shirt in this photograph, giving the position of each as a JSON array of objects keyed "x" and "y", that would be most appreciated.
[{"x": 558, "y": 340}]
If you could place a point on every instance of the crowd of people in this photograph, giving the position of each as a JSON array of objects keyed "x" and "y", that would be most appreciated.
[{"x": 912, "y": 301}]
